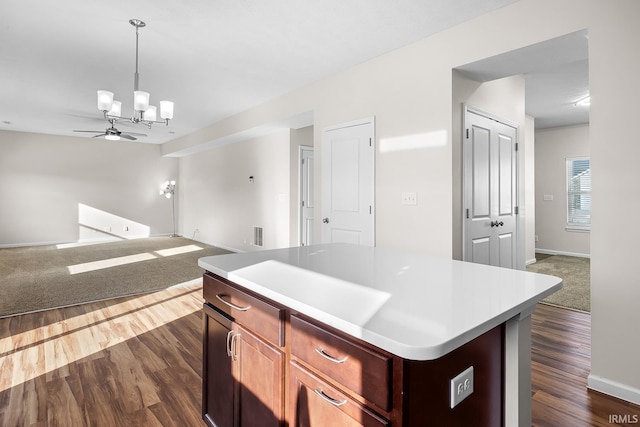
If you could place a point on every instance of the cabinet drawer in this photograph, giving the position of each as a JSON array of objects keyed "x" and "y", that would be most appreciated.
[
  {"x": 361, "y": 370},
  {"x": 261, "y": 317},
  {"x": 316, "y": 403}
]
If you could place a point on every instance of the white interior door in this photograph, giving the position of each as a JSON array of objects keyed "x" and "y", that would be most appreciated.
[
  {"x": 348, "y": 156},
  {"x": 490, "y": 200},
  {"x": 306, "y": 196}
]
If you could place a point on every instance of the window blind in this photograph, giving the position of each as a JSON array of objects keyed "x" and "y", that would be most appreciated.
[{"x": 579, "y": 192}]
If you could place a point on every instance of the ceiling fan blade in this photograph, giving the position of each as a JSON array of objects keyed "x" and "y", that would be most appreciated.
[
  {"x": 98, "y": 136},
  {"x": 91, "y": 131},
  {"x": 135, "y": 133},
  {"x": 127, "y": 136}
]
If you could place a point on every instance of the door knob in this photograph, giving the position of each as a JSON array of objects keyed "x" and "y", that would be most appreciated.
[
  {"x": 325, "y": 220},
  {"x": 500, "y": 223}
]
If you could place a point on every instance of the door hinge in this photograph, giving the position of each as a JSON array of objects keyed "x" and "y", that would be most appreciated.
[
  {"x": 303, "y": 203},
  {"x": 516, "y": 146},
  {"x": 517, "y": 210},
  {"x": 303, "y": 161},
  {"x": 370, "y": 210},
  {"x": 370, "y": 142},
  {"x": 467, "y": 213},
  {"x": 467, "y": 133}
]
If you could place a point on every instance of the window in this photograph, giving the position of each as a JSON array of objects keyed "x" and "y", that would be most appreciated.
[{"x": 578, "y": 194}]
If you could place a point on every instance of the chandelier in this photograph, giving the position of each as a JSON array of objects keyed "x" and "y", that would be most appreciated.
[{"x": 143, "y": 113}]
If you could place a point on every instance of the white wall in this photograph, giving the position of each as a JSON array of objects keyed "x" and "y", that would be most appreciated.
[
  {"x": 219, "y": 201},
  {"x": 64, "y": 189},
  {"x": 553, "y": 146},
  {"x": 529, "y": 212},
  {"x": 409, "y": 93},
  {"x": 614, "y": 67}
]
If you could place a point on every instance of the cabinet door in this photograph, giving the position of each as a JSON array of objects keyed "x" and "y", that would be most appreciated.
[
  {"x": 260, "y": 377},
  {"x": 217, "y": 375},
  {"x": 314, "y": 403}
]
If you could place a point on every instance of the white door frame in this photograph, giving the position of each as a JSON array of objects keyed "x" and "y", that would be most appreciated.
[
  {"x": 301, "y": 181},
  {"x": 519, "y": 203}
]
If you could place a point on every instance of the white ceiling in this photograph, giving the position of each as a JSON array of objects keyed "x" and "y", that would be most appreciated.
[
  {"x": 213, "y": 58},
  {"x": 556, "y": 74}
]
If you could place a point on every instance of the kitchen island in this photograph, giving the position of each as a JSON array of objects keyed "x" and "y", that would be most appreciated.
[{"x": 366, "y": 336}]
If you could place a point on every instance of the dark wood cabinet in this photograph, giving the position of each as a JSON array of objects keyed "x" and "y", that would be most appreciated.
[
  {"x": 219, "y": 390},
  {"x": 315, "y": 402},
  {"x": 259, "y": 372},
  {"x": 243, "y": 374},
  {"x": 268, "y": 365}
]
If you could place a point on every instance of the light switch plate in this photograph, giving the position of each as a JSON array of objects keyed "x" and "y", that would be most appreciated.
[
  {"x": 461, "y": 386},
  {"x": 409, "y": 198}
]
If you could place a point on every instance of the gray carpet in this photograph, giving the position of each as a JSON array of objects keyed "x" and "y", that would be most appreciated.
[
  {"x": 40, "y": 277},
  {"x": 575, "y": 273}
]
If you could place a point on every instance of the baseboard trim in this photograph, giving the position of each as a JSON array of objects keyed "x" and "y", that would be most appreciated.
[
  {"x": 613, "y": 388},
  {"x": 552, "y": 252},
  {"x": 217, "y": 245},
  {"x": 81, "y": 241}
]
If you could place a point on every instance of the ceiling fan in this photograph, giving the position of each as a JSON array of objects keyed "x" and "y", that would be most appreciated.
[{"x": 113, "y": 134}]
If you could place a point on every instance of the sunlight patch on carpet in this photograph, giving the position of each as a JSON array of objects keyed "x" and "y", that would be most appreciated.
[
  {"x": 108, "y": 263},
  {"x": 179, "y": 250},
  {"x": 130, "y": 259}
]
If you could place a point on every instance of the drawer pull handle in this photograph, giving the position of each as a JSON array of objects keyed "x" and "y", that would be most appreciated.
[
  {"x": 331, "y": 400},
  {"x": 321, "y": 352},
  {"x": 237, "y": 307},
  {"x": 229, "y": 340}
]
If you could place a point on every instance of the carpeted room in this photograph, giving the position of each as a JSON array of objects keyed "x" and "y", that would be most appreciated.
[{"x": 50, "y": 276}]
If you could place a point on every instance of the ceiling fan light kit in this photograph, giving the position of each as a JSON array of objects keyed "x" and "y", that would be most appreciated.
[{"x": 144, "y": 113}]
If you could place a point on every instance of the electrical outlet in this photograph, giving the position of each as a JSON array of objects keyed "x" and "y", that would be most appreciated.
[
  {"x": 461, "y": 386},
  {"x": 409, "y": 198}
]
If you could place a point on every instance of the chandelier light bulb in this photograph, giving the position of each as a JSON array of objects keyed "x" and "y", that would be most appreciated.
[
  {"x": 105, "y": 100},
  {"x": 140, "y": 100},
  {"x": 150, "y": 114},
  {"x": 116, "y": 109},
  {"x": 166, "y": 110}
]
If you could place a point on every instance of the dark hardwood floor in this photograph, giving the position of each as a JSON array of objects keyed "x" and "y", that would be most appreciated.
[
  {"x": 561, "y": 352},
  {"x": 136, "y": 361}
]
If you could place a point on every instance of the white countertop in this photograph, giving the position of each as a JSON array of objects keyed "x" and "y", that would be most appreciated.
[{"x": 412, "y": 305}]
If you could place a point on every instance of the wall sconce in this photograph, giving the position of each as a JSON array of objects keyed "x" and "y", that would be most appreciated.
[
  {"x": 168, "y": 190},
  {"x": 251, "y": 179}
]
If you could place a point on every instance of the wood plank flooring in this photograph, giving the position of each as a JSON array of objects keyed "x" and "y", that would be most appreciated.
[
  {"x": 561, "y": 352},
  {"x": 132, "y": 361},
  {"x": 136, "y": 361}
]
